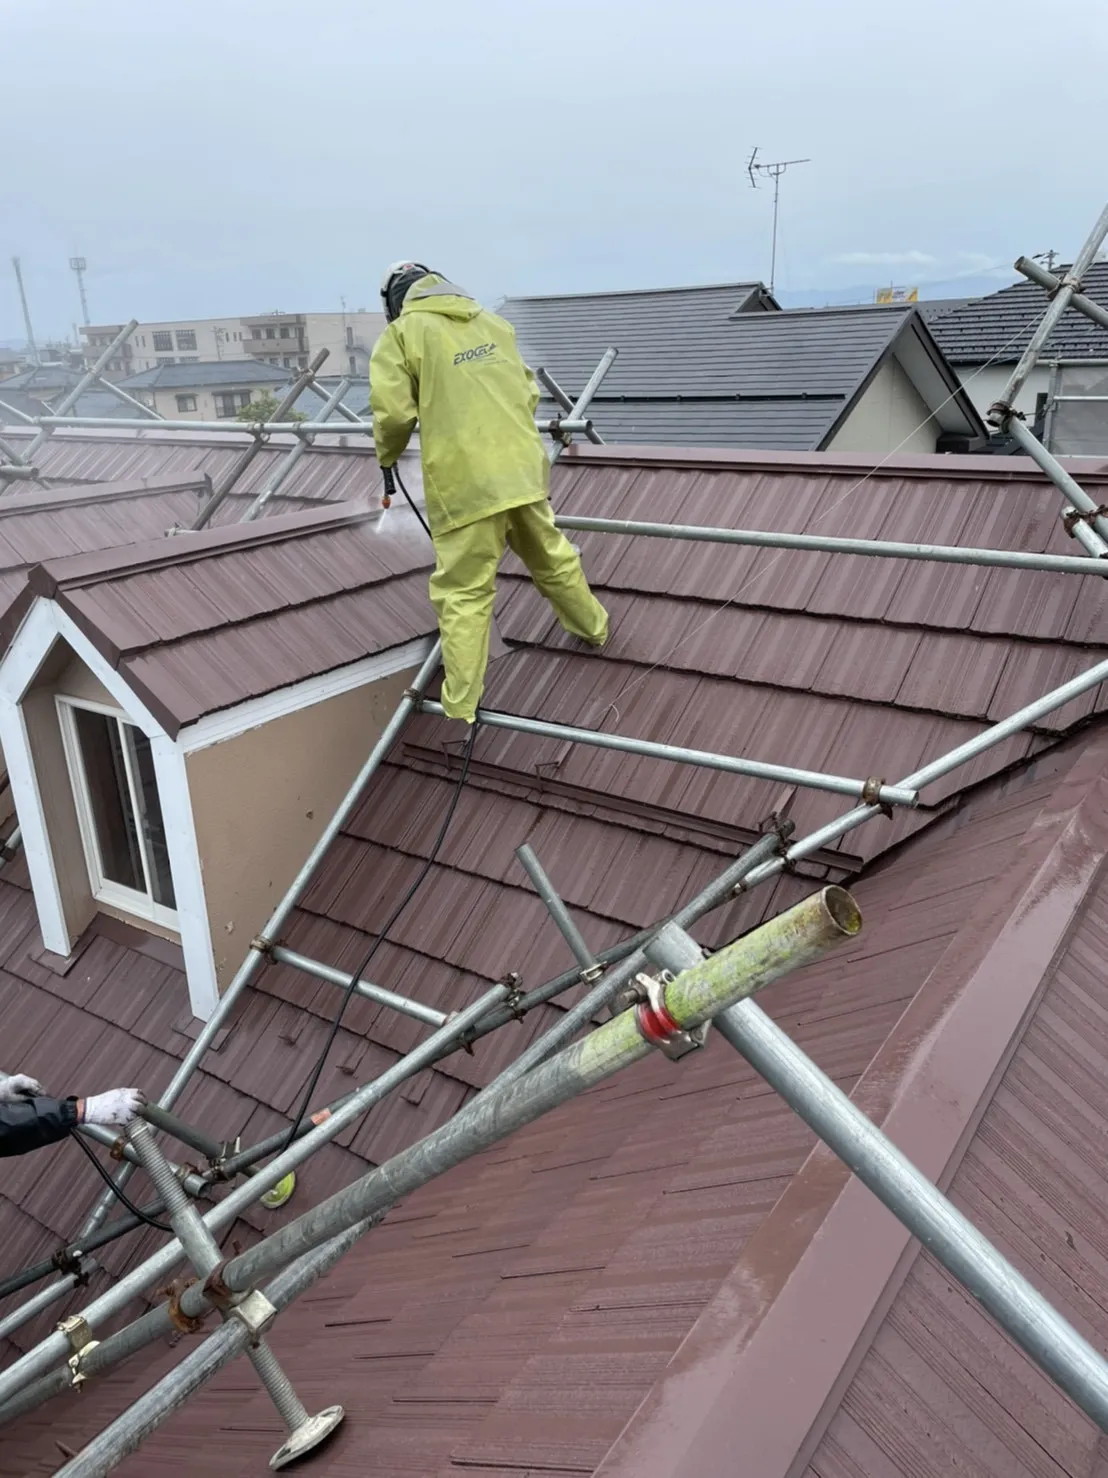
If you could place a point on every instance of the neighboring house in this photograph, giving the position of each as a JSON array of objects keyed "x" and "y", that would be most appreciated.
[
  {"x": 214, "y": 391},
  {"x": 288, "y": 340},
  {"x": 14, "y": 362},
  {"x": 722, "y": 367},
  {"x": 666, "y": 1277},
  {"x": 35, "y": 392},
  {"x": 984, "y": 339}
]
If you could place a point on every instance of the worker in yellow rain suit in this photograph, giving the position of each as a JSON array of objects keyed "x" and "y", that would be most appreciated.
[{"x": 453, "y": 367}]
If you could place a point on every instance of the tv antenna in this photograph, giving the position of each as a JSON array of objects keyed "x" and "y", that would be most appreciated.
[
  {"x": 774, "y": 172},
  {"x": 80, "y": 266}
]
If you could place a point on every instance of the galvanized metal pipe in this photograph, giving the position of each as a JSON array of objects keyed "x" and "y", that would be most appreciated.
[
  {"x": 573, "y": 421},
  {"x": 1092, "y": 529},
  {"x": 820, "y": 543},
  {"x": 42, "y": 1300},
  {"x": 889, "y": 795},
  {"x": 1055, "y": 284},
  {"x": 266, "y": 428},
  {"x": 223, "y": 487},
  {"x": 202, "y": 1251},
  {"x": 15, "y": 473},
  {"x": 47, "y": 424},
  {"x": 732, "y": 881},
  {"x": 1051, "y": 1342},
  {"x": 148, "y": 411},
  {"x": 16, "y": 458},
  {"x": 21, "y": 416},
  {"x": 54, "y": 1348},
  {"x": 558, "y": 911},
  {"x": 281, "y": 473},
  {"x": 557, "y": 394},
  {"x": 804, "y": 933},
  {"x": 127, "y": 1433},
  {"x": 1002, "y": 410},
  {"x": 996, "y": 734},
  {"x": 255, "y": 956},
  {"x": 762, "y": 869},
  {"x": 404, "y": 1004}
]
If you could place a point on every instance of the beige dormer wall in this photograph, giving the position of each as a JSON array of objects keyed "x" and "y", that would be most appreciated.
[{"x": 261, "y": 800}]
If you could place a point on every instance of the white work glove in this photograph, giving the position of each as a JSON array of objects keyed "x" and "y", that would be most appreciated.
[
  {"x": 18, "y": 1086},
  {"x": 114, "y": 1109}
]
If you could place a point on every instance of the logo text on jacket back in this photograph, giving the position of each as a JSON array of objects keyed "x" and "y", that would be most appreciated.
[{"x": 482, "y": 351}]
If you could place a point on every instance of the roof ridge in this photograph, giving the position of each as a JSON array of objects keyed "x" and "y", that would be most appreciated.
[{"x": 47, "y": 577}]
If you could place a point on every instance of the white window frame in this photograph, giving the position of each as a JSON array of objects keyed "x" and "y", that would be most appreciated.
[{"x": 104, "y": 890}]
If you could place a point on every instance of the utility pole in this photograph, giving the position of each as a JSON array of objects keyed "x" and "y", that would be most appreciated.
[
  {"x": 26, "y": 313},
  {"x": 774, "y": 172},
  {"x": 1048, "y": 258},
  {"x": 79, "y": 264}
]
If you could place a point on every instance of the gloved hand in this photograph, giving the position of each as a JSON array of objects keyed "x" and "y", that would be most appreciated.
[
  {"x": 18, "y": 1086},
  {"x": 114, "y": 1109}
]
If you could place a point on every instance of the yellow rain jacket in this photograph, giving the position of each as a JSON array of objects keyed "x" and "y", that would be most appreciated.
[{"x": 453, "y": 367}]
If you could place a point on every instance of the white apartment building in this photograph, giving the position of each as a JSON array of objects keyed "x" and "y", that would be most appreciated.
[{"x": 283, "y": 340}]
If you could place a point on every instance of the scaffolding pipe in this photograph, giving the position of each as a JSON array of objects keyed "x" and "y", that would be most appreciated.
[
  {"x": 590, "y": 966},
  {"x": 952, "y": 1240},
  {"x": 42, "y": 1300},
  {"x": 1090, "y": 528},
  {"x": 761, "y": 871},
  {"x": 731, "y": 882},
  {"x": 1055, "y": 284},
  {"x": 886, "y": 795},
  {"x": 47, "y": 424},
  {"x": 257, "y": 952},
  {"x": 194, "y": 1184},
  {"x": 559, "y": 396},
  {"x": 1000, "y": 413},
  {"x": 573, "y": 421},
  {"x": 16, "y": 473},
  {"x": 16, "y": 458},
  {"x": 304, "y": 444},
  {"x": 222, "y": 489},
  {"x": 407, "y": 1007},
  {"x": 55, "y": 1348},
  {"x": 148, "y": 411},
  {"x": 126, "y": 1434},
  {"x": 879, "y": 548},
  {"x": 496, "y": 1018},
  {"x": 202, "y": 1251},
  {"x": 263, "y": 428},
  {"x": 21, "y": 416},
  {"x": 77, "y": 1249},
  {"x": 805, "y": 933}
]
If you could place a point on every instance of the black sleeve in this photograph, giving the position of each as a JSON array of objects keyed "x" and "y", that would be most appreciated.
[{"x": 34, "y": 1122}]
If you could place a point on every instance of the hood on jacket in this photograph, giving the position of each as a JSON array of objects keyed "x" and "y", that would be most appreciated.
[{"x": 433, "y": 294}]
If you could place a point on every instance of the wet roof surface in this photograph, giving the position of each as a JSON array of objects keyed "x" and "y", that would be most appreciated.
[
  {"x": 511, "y": 1316},
  {"x": 206, "y": 620}
]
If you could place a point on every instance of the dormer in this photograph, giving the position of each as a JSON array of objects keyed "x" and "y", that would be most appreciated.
[{"x": 180, "y": 719}]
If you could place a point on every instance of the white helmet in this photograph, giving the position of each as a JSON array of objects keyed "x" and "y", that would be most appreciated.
[{"x": 395, "y": 284}]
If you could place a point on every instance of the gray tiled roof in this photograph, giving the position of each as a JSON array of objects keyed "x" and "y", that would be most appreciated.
[
  {"x": 693, "y": 371},
  {"x": 206, "y": 373},
  {"x": 998, "y": 327}
]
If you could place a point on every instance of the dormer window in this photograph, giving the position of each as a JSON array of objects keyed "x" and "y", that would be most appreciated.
[{"x": 111, "y": 769}]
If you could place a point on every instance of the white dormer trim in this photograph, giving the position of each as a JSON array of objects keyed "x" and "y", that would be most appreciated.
[
  {"x": 255, "y": 712},
  {"x": 44, "y": 625}
]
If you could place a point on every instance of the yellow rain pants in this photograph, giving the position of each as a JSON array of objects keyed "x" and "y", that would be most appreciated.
[
  {"x": 463, "y": 592},
  {"x": 453, "y": 368}
]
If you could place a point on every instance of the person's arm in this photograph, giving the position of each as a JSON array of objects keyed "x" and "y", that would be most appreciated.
[
  {"x": 31, "y": 1123},
  {"x": 534, "y": 394},
  {"x": 392, "y": 397}
]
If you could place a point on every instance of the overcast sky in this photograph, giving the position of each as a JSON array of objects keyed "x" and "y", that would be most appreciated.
[{"x": 223, "y": 158}]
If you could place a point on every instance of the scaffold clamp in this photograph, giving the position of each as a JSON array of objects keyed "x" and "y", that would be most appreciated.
[
  {"x": 81, "y": 1342},
  {"x": 655, "y": 1023}
]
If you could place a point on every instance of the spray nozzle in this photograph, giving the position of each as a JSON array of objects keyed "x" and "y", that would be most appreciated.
[{"x": 389, "y": 492}]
